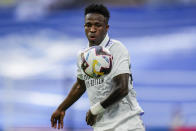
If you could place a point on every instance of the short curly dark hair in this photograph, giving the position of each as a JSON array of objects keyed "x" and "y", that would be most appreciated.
[{"x": 98, "y": 8}]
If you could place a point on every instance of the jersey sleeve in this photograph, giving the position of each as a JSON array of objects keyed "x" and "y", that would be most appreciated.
[
  {"x": 79, "y": 70},
  {"x": 121, "y": 62}
]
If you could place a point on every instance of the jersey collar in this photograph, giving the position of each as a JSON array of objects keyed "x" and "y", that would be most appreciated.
[{"x": 105, "y": 41}]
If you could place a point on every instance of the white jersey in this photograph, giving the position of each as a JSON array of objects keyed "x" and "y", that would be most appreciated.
[{"x": 100, "y": 89}]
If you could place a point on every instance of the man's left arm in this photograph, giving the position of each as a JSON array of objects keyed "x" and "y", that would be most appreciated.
[{"x": 121, "y": 90}]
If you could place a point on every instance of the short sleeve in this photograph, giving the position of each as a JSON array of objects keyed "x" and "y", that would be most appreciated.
[
  {"x": 79, "y": 70},
  {"x": 121, "y": 62}
]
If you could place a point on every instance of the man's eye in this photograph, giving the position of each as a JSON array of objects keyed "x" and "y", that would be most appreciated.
[{"x": 88, "y": 25}]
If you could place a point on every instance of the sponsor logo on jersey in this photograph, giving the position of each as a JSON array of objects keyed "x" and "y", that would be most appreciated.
[{"x": 92, "y": 82}]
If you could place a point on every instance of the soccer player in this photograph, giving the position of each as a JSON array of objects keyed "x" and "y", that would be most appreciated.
[{"x": 113, "y": 104}]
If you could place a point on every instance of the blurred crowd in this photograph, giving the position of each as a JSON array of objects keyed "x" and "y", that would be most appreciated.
[
  {"x": 63, "y": 4},
  {"x": 32, "y": 9},
  {"x": 38, "y": 59}
]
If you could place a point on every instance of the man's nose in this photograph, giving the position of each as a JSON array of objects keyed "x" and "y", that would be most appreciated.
[{"x": 93, "y": 29}]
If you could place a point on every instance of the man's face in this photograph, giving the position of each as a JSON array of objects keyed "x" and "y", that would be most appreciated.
[{"x": 96, "y": 28}]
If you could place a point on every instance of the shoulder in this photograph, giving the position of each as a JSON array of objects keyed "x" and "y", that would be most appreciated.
[
  {"x": 79, "y": 55},
  {"x": 117, "y": 46},
  {"x": 81, "y": 51}
]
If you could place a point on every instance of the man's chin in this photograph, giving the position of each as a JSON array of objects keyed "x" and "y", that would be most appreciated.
[{"x": 93, "y": 43}]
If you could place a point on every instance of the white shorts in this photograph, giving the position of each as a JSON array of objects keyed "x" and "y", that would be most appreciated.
[{"x": 133, "y": 124}]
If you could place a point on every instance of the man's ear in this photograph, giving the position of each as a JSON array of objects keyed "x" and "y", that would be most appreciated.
[{"x": 107, "y": 26}]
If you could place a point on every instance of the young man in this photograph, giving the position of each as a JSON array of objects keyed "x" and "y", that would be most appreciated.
[{"x": 113, "y": 101}]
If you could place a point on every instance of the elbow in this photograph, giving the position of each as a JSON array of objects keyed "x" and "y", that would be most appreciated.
[{"x": 123, "y": 92}]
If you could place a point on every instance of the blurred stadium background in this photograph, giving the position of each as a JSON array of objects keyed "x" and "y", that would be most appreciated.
[{"x": 39, "y": 41}]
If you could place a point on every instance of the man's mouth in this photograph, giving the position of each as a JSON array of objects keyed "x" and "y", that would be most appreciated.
[{"x": 92, "y": 37}]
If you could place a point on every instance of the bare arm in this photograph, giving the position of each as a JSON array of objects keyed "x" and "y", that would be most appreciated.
[
  {"x": 121, "y": 90},
  {"x": 76, "y": 92}
]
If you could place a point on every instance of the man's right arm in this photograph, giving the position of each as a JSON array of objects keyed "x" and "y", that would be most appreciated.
[{"x": 76, "y": 92}]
